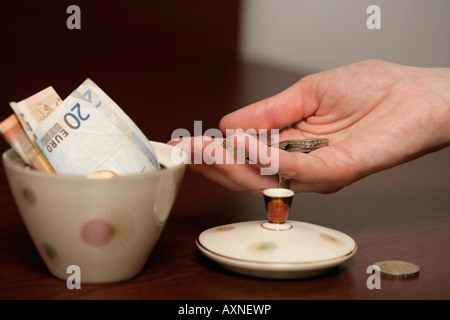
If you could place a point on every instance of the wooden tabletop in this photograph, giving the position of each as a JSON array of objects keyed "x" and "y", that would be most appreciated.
[{"x": 400, "y": 214}]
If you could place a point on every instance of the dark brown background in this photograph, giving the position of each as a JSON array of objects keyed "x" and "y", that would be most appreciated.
[{"x": 168, "y": 64}]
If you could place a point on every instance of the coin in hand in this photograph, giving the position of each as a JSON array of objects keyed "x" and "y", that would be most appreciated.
[{"x": 306, "y": 145}]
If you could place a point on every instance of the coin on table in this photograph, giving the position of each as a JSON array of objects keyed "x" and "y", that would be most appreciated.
[{"x": 398, "y": 269}]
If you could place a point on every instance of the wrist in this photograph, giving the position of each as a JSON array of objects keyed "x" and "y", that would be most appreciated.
[{"x": 438, "y": 80}]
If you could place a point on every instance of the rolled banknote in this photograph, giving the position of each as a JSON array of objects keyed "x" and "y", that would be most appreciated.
[
  {"x": 14, "y": 134},
  {"x": 89, "y": 133}
]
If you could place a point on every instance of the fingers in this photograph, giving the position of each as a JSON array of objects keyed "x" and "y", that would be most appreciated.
[
  {"x": 295, "y": 103},
  {"x": 324, "y": 170},
  {"x": 208, "y": 157}
]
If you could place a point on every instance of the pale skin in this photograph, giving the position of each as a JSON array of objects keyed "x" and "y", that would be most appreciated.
[{"x": 375, "y": 114}]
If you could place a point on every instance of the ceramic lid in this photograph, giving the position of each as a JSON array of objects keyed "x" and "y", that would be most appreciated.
[{"x": 293, "y": 242}]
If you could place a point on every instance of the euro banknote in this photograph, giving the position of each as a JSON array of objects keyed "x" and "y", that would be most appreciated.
[
  {"x": 87, "y": 134},
  {"x": 12, "y": 131},
  {"x": 35, "y": 109}
]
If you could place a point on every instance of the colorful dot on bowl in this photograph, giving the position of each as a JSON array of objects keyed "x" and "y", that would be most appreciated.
[
  {"x": 222, "y": 229},
  {"x": 28, "y": 195},
  {"x": 50, "y": 251},
  {"x": 97, "y": 232},
  {"x": 331, "y": 239},
  {"x": 269, "y": 246}
]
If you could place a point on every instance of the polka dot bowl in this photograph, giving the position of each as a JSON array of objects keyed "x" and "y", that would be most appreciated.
[{"x": 106, "y": 227}]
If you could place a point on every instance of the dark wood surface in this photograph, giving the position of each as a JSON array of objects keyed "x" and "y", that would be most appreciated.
[{"x": 402, "y": 213}]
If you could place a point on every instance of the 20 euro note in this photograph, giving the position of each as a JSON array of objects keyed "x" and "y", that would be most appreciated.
[{"x": 88, "y": 133}]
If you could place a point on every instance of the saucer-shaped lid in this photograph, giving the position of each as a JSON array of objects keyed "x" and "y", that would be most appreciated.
[{"x": 292, "y": 246}]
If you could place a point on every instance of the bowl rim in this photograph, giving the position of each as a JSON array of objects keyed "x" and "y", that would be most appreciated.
[{"x": 7, "y": 163}]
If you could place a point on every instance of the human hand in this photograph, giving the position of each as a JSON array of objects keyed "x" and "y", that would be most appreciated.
[{"x": 375, "y": 114}]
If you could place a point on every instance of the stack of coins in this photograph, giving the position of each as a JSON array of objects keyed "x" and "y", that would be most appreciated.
[{"x": 305, "y": 146}]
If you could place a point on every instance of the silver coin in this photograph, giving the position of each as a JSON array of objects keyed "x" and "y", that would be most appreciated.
[
  {"x": 306, "y": 145},
  {"x": 303, "y": 145},
  {"x": 284, "y": 182},
  {"x": 282, "y": 145},
  {"x": 398, "y": 269}
]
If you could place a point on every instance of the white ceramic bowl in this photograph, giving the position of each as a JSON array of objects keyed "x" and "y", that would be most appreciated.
[{"x": 106, "y": 227}]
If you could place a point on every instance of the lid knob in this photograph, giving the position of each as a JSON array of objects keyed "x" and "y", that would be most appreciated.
[{"x": 278, "y": 204}]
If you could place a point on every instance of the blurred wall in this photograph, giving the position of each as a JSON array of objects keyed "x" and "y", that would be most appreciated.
[
  {"x": 167, "y": 57},
  {"x": 313, "y": 35}
]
